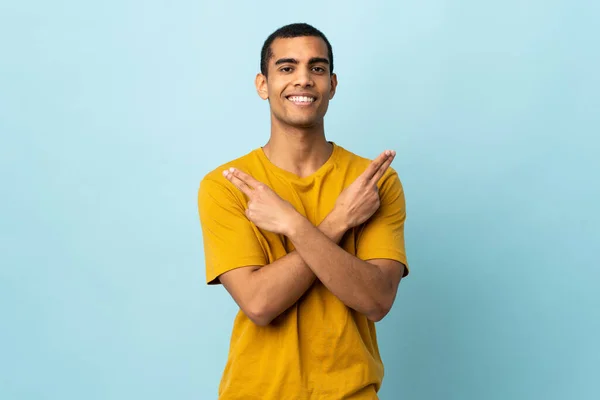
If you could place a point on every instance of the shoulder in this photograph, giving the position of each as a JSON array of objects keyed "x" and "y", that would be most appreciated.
[
  {"x": 243, "y": 162},
  {"x": 214, "y": 184}
]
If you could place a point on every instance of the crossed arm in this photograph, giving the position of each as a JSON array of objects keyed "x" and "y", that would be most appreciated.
[{"x": 265, "y": 292}]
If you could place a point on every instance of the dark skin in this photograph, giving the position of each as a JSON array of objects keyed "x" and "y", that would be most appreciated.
[
  {"x": 297, "y": 141},
  {"x": 299, "y": 87}
]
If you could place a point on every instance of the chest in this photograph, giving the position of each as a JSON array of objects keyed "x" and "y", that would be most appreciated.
[{"x": 313, "y": 200}]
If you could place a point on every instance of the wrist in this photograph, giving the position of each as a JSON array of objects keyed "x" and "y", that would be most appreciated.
[
  {"x": 335, "y": 225},
  {"x": 295, "y": 225}
]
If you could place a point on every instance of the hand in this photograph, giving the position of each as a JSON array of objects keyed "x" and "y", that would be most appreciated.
[
  {"x": 359, "y": 201},
  {"x": 265, "y": 209}
]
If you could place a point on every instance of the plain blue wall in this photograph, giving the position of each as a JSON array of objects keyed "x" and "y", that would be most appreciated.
[{"x": 111, "y": 113}]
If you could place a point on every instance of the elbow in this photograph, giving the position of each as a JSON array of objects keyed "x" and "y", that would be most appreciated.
[
  {"x": 377, "y": 315},
  {"x": 378, "y": 311},
  {"x": 259, "y": 320},
  {"x": 259, "y": 314},
  {"x": 381, "y": 305}
]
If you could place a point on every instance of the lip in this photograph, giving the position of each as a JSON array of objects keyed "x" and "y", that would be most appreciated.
[
  {"x": 302, "y": 95},
  {"x": 306, "y": 105}
]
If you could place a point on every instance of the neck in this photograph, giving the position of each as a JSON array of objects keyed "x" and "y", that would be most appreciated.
[{"x": 301, "y": 151}]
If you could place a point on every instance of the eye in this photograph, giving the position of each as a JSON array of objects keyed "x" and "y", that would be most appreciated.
[
  {"x": 285, "y": 69},
  {"x": 318, "y": 70}
]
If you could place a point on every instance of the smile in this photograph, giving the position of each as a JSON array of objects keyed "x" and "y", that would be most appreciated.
[{"x": 301, "y": 100}]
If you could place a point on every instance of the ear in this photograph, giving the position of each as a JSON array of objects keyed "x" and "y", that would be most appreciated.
[
  {"x": 334, "y": 83},
  {"x": 261, "y": 86}
]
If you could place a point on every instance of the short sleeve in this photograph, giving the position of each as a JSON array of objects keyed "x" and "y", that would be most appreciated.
[
  {"x": 382, "y": 236},
  {"x": 229, "y": 238}
]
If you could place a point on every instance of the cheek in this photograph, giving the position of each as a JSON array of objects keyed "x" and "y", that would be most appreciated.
[{"x": 274, "y": 87}]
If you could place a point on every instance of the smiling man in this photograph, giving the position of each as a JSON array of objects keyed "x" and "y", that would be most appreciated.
[{"x": 307, "y": 238}]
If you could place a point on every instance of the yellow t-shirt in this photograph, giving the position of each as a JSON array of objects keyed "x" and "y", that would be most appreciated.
[{"x": 319, "y": 348}]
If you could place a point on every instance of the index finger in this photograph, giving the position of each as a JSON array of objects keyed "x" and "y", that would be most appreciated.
[
  {"x": 237, "y": 182},
  {"x": 384, "y": 167},
  {"x": 375, "y": 165},
  {"x": 244, "y": 177}
]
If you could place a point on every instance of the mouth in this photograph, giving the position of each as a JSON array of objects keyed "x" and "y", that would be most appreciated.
[{"x": 301, "y": 100}]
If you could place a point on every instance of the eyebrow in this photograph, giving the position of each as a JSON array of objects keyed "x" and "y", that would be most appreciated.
[{"x": 314, "y": 60}]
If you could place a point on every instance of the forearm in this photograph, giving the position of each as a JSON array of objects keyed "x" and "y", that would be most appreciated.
[
  {"x": 279, "y": 285},
  {"x": 357, "y": 283}
]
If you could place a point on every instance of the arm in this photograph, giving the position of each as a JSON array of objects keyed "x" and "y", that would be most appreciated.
[
  {"x": 354, "y": 206},
  {"x": 367, "y": 282},
  {"x": 368, "y": 287},
  {"x": 263, "y": 293}
]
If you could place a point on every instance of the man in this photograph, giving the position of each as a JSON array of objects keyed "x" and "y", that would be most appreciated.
[{"x": 307, "y": 238}]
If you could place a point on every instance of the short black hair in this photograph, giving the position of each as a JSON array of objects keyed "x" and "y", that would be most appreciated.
[{"x": 288, "y": 32}]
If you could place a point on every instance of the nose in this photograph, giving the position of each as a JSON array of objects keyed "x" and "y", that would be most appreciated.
[{"x": 304, "y": 77}]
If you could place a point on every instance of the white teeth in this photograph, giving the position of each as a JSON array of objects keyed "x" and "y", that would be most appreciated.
[{"x": 301, "y": 99}]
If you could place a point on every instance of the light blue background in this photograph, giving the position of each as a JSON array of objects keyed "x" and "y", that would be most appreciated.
[{"x": 111, "y": 113}]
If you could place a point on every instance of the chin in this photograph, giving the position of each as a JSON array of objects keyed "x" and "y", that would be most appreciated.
[
  {"x": 304, "y": 123},
  {"x": 299, "y": 121}
]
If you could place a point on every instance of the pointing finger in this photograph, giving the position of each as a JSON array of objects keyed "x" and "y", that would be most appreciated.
[
  {"x": 244, "y": 177},
  {"x": 237, "y": 182},
  {"x": 375, "y": 165},
  {"x": 386, "y": 164}
]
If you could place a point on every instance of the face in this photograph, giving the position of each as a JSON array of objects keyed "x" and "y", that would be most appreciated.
[{"x": 299, "y": 84}]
